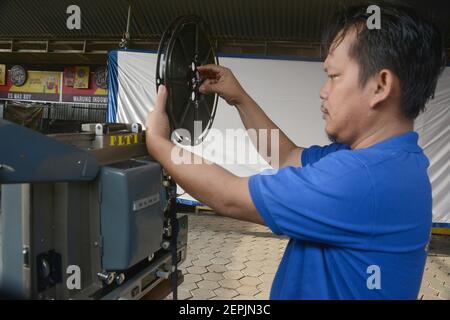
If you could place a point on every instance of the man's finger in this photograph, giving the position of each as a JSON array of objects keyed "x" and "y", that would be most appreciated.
[
  {"x": 209, "y": 71},
  {"x": 207, "y": 75},
  {"x": 161, "y": 98},
  {"x": 209, "y": 86},
  {"x": 210, "y": 67}
]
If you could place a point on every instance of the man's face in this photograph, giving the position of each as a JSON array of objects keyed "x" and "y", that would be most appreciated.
[{"x": 345, "y": 104}]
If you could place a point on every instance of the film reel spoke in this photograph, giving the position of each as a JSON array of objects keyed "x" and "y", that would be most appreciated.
[
  {"x": 188, "y": 56},
  {"x": 196, "y": 115},
  {"x": 196, "y": 42},
  {"x": 205, "y": 59},
  {"x": 205, "y": 104},
  {"x": 186, "y": 111}
]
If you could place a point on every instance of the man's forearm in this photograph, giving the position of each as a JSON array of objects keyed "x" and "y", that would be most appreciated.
[
  {"x": 224, "y": 192},
  {"x": 253, "y": 117}
]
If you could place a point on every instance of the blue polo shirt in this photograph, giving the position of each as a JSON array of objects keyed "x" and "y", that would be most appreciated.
[{"x": 358, "y": 221}]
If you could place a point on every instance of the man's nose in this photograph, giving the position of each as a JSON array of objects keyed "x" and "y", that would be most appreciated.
[{"x": 324, "y": 91}]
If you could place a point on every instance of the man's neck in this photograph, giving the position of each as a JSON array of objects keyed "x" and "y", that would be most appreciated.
[{"x": 382, "y": 132}]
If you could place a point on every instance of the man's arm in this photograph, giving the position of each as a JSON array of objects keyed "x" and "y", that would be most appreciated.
[
  {"x": 221, "y": 80},
  {"x": 254, "y": 117},
  {"x": 224, "y": 192}
]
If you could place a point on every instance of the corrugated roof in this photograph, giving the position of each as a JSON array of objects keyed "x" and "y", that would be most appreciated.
[
  {"x": 46, "y": 19},
  {"x": 250, "y": 20}
]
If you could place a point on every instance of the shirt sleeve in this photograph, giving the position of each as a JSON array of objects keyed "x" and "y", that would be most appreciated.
[
  {"x": 315, "y": 153},
  {"x": 329, "y": 201}
]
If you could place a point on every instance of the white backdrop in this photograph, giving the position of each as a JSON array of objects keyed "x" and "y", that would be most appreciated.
[
  {"x": 433, "y": 127},
  {"x": 288, "y": 91}
]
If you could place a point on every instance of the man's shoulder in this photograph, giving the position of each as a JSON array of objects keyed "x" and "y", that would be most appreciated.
[
  {"x": 315, "y": 153},
  {"x": 342, "y": 165},
  {"x": 376, "y": 158},
  {"x": 356, "y": 163},
  {"x": 367, "y": 157}
]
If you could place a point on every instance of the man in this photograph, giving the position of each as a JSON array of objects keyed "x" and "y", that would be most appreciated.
[{"x": 358, "y": 211}]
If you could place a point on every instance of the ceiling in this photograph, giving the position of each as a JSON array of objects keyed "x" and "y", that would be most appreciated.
[{"x": 248, "y": 26}]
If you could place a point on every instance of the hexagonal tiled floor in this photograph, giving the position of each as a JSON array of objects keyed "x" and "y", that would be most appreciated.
[
  {"x": 230, "y": 259},
  {"x": 225, "y": 259}
]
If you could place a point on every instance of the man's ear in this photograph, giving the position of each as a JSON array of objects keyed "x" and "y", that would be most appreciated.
[{"x": 385, "y": 85}]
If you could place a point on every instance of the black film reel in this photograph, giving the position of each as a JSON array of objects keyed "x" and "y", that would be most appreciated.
[{"x": 183, "y": 47}]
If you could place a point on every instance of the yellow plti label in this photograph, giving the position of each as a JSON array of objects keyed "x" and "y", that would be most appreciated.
[
  {"x": 441, "y": 231},
  {"x": 123, "y": 140}
]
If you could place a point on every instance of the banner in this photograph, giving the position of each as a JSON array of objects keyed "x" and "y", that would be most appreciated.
[
  {"x": 93, "y": 94},
  {"x": 2, "y": 74},
  {"x": 132, "y": 87},
  {"x": 40, "y": 86}
]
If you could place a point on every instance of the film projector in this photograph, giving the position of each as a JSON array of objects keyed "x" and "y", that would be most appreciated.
[{"x": 85, "y": 217}]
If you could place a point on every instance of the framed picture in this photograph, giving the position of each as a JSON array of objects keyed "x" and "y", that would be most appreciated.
[
  {"x": 101, "y": 77},
  {"x": 69, "y": 76},
  {"x": 81, "y": 78}
]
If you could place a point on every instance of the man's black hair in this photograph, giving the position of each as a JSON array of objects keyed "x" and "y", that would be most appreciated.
[{"x": 407, "y": 44}]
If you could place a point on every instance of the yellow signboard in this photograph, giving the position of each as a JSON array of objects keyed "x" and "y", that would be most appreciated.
[
  {"x": 40, "y": 82},
  {"x": 40, "y": 86}
]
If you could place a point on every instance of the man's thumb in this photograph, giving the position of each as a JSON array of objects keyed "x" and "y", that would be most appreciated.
[{"x": 161, "y": 98}]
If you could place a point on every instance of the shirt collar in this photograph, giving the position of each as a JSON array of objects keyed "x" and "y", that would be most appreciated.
[{"x": 406, "y": 141}]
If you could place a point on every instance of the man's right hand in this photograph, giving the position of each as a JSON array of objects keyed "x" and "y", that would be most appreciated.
[{"x": 221, "y": 80}]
